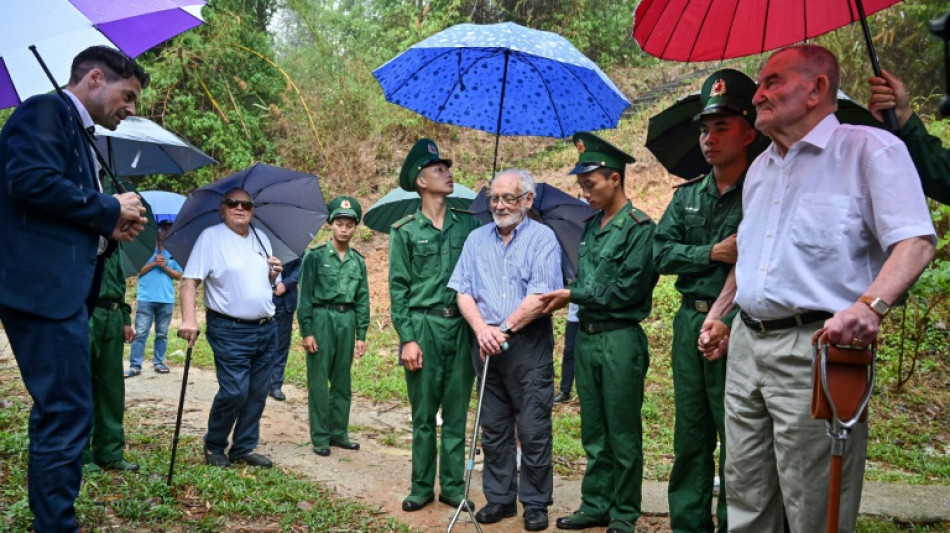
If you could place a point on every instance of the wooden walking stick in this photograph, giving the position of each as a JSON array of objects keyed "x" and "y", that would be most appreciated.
[{"x": 842, "y": 383}]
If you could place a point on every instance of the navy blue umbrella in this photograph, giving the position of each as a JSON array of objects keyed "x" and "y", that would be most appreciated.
[
  {"x": 288, "y": 207},
  {"x": 504, "y": 79},
  {"x": 556, "y": 209}
]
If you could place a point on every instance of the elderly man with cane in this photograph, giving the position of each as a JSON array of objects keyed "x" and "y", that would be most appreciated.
[{"x": 504, "y": 269}]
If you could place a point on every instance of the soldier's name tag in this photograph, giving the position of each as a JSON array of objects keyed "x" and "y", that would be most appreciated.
[
  {"x": 424, "y": 241},
  {"x": 692, "y": 209}
]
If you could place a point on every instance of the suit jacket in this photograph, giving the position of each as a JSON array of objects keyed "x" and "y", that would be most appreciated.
[
  {"x": 290, "y": 276},
  {"x": 51, "y": 215}
]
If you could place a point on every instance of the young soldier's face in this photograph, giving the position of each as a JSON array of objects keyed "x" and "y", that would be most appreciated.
[
  {"x": 598, "y": 189},
  {"x": 724, "y": 138},
  {"x": 436, "y": 178},
  {"x": 343, "y": 228}
]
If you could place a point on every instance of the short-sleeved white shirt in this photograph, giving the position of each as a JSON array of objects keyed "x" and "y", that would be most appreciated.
[
  {"x": 817, "y": 223},
  {"x": 235, "y": 272}
]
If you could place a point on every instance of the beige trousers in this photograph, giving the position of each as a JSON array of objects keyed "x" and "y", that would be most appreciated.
[{"x": 777, "y": 456}]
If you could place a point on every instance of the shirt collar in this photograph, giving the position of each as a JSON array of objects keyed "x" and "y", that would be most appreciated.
[
  {"x": 517, "y": 229},
  {"x": 819, "y": 137},
  {"x": 83, "y": 112}
]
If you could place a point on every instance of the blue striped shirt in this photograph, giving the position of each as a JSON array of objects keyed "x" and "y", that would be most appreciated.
[{"x": 499, "y": 276}]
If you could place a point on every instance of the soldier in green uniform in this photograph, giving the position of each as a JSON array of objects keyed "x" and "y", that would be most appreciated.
[
  {"x": 110, "y": 327},
  {"x": 696, "y": 240},
  {"x": 333, "y": 314},
  {"x": 614, "y": 287},
  {"x": 435, "y": 344},
  {"x": 930, "y": 157}
]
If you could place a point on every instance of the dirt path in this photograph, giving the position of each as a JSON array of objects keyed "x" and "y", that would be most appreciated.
[{"x": 376, "y": 475}]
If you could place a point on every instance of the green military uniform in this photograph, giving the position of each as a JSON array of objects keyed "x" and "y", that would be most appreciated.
[
  {"x": 333, "y": 307},
  {"x": 930, "y": 157},
  {"x": 421, "y": 260},
  {"x": 106, "y": 346},
  {"x": 698, "y": 217},
  {"x": 614, "y": 288}
]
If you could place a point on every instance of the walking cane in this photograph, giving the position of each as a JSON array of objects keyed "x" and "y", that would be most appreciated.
[
  {"x": 471, "y": 454},
  {"x": 850, "y": 370},
  {"x": 181, "y": 408}
]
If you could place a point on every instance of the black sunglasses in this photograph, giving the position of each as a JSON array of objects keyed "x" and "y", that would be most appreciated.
[{"x": 232, "y": 203}]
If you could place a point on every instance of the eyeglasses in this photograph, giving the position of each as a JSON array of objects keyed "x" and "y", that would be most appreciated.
[
  {"x": 232, "y": 203},
  {"x": 507, "y": 199}
]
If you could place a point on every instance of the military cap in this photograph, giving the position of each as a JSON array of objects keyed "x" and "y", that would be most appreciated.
[
  {"x": 345, "y": 206},
  {"x": 423, "y": 154},
  {"x": 595, "y": 153},
  {"x": 728, "y": 91}
]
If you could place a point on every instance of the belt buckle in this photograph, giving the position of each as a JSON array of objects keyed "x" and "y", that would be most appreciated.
[
  {"x": 589, "y": 328},
  {"x": 702, "y": 306},
  {"x": 446, "y": 312},
  {"x": 759, "y": 324}
]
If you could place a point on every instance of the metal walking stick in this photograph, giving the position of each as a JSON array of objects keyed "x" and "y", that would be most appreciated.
[
  {"x": 845, "y": 376},
  {"x": 470, "y": 465},
  {"x": 181, "y": 408}
]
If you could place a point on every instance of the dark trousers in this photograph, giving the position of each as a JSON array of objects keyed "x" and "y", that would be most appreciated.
[
  {"x": 242, "y": 361},
  {"x": 519, "y": 393},
  {"x": 285, "y": 326},
  {"x": 53, "y": 356},
  {"x": 567, "y": 362}
]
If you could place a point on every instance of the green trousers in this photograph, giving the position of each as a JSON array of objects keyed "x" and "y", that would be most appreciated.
[
  {"x": 106, "y": 346},
  {"x": 698, "y": 388},
  {"x": 610, "y": 370},
  {"x": 329, "y": 391},
  {"x": 445, "y": 380}
]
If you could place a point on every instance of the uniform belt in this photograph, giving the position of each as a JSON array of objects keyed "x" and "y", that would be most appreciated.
[
  {"x": 606, "y": 325},
  {"x": 793, "y": 321},
  {"x": 339, "y": 308},
  {"x": 444, "y": 312},
  {"x": 248, "y": 322},
  {"x": 108, "y": 305},
  {"x": 698, "y": 304}
]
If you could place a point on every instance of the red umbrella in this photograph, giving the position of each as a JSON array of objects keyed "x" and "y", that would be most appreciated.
[{"x": 713, "y": 30}]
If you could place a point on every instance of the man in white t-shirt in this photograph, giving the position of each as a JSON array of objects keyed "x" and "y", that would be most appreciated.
[{"x": 235, "y": 262}]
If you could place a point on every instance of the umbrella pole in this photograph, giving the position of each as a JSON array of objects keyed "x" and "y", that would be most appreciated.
[
  {"x": 119, "y": 188},
  {"x": 181, "y": 408},
  {"x": 501, "y": 111},
  {"x": 890, "y": 117}
]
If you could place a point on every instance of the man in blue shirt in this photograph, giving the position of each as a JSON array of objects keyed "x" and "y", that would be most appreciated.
[
  {"x": 155, "y": 302},
  {"x": 504, "y": 268}
]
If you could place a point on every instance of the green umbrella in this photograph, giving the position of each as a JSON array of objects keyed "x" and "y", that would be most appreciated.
[
  {"x": 398, "y": 203},
  {"x": 137, "y": 252},
  {"x": 673, "y": 135}
]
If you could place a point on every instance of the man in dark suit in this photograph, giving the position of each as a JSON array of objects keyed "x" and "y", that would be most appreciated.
[{"x": 55, "y": 221}]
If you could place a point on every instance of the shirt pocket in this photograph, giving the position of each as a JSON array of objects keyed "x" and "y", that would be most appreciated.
[
  {"x": 425, "y": 259},
  {"x": 819, "y": 221},
  {"x": 611, "y": 259},
  {"x": 695, "y": 229}
]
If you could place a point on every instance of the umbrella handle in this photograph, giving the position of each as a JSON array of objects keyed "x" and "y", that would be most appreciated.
[{"x": 889, "y": 115}]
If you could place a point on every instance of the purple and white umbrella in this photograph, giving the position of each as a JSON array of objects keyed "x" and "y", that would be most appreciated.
[{"x": 60, "y": 29}]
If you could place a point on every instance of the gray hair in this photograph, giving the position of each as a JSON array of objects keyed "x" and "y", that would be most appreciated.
[{"x": 525, "y": 179}]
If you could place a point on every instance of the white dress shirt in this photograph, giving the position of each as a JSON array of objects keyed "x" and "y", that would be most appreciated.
[{"x": 817, "y": 224}]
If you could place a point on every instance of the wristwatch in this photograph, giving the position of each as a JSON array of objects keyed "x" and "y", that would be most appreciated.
[
  {"x": 503, "y": 327},
  {"x": 877, "y": 305}
]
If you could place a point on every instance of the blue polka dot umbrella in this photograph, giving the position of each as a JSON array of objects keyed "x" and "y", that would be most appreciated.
[{"x": 504, "y": 79}]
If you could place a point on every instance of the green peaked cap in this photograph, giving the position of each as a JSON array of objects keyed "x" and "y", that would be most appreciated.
[
  {"x": 595, "y": 153},
  {"x": 423, "y": 154},
  {"x": 345, "y": 206},
  {"x": 728, "y": 91}
]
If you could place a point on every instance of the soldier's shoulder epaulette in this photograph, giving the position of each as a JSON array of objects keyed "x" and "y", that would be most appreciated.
[
  {"x": 317, "y": 246},
  {"x": 464, "y": 211},
  {"x": 639, "y": 216},
  {"x": 697, "y": 179},
  {"x": 357, "y": 252},
  {"x": 403, "y": 221}
]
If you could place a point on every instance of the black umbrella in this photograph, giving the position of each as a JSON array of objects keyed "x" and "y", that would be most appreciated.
[
  {"x": 288, "y": 208},
  {"x": 556, "y": 209},
  {"x": 138, "y": 147},
  {"x": 673, "y": 135},
  {"x": 139, "y": 250}
]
